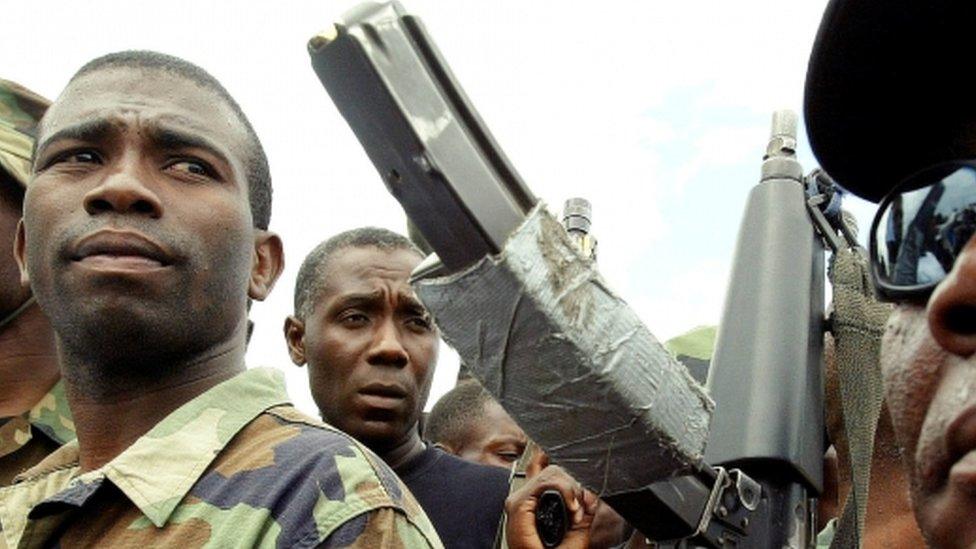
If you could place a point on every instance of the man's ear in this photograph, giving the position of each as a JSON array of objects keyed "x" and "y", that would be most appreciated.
[
  {"x": 295, "y": 339},
  {"x": 20, "y": 253},
  {"x": 267, "y": 264}
]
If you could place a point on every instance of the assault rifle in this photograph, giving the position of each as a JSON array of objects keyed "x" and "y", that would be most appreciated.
[{"x": 567, "y": 359}]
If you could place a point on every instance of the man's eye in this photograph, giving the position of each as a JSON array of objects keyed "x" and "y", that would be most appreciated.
[
  {"x": 192, "y": 167},
  {"x": 510, "y": 457},
  {"x": 353, "y": 319},
  {"x": 420, "y": 323},
  {"x": 81, "y": 157},
  {"x": 76, "y": 157},
  {"x": 71, "y": 161}
]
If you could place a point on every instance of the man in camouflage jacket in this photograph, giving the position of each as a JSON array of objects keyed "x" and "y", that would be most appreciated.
[
  {"x": 145, "y": 233},
  {"x": 34, "y": 417}
]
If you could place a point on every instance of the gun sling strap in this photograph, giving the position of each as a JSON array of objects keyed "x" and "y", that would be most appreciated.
[{"x": 858, "y": 322}]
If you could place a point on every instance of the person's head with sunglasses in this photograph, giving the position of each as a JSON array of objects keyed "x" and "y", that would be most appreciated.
[{"x": 891, "y": 115}]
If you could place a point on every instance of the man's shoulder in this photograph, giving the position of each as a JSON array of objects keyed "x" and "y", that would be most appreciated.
[
  {"x": 291, "y": 442},
  {"x": 311, "y": 479}
]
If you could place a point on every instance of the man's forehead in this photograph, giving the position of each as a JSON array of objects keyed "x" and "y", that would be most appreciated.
[
  {"x": 497, "y": 416},
  {"x": 146, "y": 93},
  {"x": 364, "y": 267}
]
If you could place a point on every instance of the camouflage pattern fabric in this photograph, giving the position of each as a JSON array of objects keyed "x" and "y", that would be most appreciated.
[
  {"x": 27, "y": 439},
  {"x": 20, "y": 111},
  {"x": 235, "y": 467}
]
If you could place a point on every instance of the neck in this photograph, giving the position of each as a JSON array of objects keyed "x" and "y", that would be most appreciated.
[
  {"x": 28, "y": 362},
  {"x": 401, "y": 454},
  {"x": 889, "y": 523},
  {"x": 113, "y": 406}
]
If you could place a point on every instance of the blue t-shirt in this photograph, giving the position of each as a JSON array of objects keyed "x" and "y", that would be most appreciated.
[{"x": 464, "y": 500}]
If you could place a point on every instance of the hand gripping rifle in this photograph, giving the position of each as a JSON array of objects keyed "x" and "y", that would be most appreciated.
[{"x": 567, "y": 358}]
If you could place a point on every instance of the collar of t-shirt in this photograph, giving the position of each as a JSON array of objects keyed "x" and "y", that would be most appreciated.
[{"x": 420, "y": 464}]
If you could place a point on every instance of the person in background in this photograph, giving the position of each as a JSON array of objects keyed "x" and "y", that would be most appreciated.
[
  {"x": 370, "y": 348},
  {"x": 34, "y": 415},
  {"x": 470, "y": 424}
]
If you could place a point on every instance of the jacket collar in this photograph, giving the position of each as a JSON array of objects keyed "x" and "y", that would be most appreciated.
[{"x": 157, "y": 471}]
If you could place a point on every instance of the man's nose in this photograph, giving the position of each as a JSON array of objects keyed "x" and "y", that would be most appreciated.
[
  {"x": 952, "y": 307},
  {"x": 123, "y": 191},
  {"x": 387, "y": 348}
]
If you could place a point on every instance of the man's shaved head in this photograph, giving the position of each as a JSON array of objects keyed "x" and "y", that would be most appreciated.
[
  {"x": 450, "y": 419},
  {"x": 256, "y": 162},
  {"x": 311, "y": 276},
  {"x": 470, "y": 424}
]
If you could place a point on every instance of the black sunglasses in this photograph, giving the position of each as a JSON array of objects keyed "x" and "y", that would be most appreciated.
[{"x": 920, "y": 228}]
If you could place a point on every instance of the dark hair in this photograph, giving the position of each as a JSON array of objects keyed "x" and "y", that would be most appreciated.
[
  {"x": 312, "y": 273},
  {"x": 256, "y": 162},
  {"x": 450, "y": 419}
]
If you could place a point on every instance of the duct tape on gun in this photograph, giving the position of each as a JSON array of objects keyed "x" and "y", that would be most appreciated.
[{"x": 530, "y": 315}]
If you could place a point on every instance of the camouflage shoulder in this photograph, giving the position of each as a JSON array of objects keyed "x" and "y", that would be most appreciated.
[
  {"x": 369, "y": 489},
  {"x": 52, "y": 416},
  {"x": 383, "y": 528},
  {"x": 14, "y": 434}
]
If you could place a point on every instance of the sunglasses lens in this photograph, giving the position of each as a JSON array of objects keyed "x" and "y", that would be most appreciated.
[{"x": 921, "y": 231}]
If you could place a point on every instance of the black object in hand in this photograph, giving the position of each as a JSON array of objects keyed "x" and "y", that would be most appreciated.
[{"x": 551, "y": 518}]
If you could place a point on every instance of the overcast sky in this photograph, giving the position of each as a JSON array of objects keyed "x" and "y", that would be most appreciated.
[{"x": 657, "y": 112}]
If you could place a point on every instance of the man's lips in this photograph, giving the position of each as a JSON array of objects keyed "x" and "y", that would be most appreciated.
[
  {"x": 961, "y": 447},
  {"x": 120, "y": 250},
  {"x": 390, "y": 390},
  {"x": 382, "y": 395}
]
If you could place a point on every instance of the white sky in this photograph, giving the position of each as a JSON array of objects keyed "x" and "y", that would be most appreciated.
[{"x": 657, "y": 112}]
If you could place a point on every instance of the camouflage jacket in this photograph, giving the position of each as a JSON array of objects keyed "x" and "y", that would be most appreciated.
[
  {"x": 27, "y": 439},
  {"x": 235, "y": 467}
]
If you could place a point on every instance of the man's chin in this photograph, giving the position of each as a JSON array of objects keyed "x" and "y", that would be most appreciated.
[
  {"x": 378, "y": 436},
  {"x": 122, "y": 328}
]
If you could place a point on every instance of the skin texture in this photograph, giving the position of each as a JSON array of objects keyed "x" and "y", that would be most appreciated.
[
  {"x": 138, "y": 241},
  {"x": 930, "y": 382},
  {"x": 371, "y": 349},
  {"x": 28, "y": 359},
  {"x": 493, "y": 440}
]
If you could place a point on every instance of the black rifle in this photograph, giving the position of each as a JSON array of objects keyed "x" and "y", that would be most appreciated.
[{"x": 763, "y": 461}]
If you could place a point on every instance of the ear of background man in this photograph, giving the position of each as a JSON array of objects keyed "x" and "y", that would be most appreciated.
[{"x": 294, "y": 330}]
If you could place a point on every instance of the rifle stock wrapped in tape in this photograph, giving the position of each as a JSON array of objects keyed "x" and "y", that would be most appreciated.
[{"x": 566, "y": 356}]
